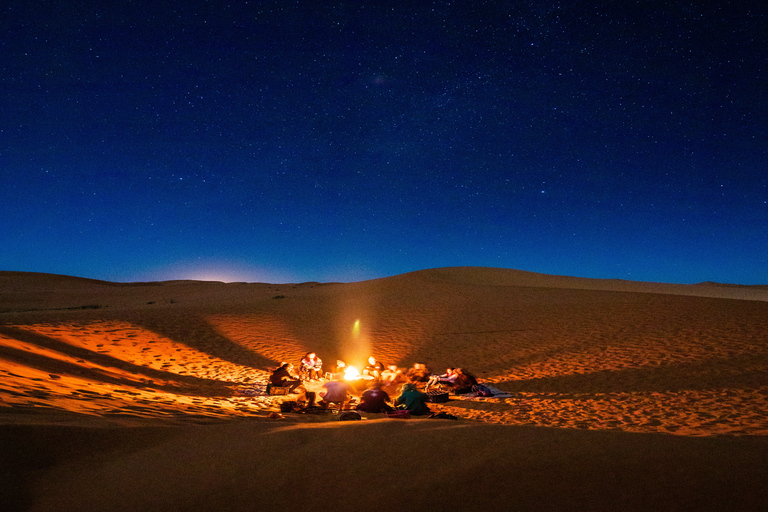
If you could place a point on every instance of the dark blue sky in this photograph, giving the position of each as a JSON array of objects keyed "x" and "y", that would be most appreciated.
[{"x": 271, "y": 141}]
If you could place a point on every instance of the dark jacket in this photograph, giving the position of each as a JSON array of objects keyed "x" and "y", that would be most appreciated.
[
  {"x": 374, "y": 400},
  {"x": 279, "y": 376}
]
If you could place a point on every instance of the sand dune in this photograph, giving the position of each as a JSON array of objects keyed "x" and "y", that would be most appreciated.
[{"x": 604, "y": 361}]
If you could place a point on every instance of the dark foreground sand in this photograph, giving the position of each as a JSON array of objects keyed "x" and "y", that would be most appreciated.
[
  {"x": 376, "y": 465},
  {"x": 622, "y": 396}
]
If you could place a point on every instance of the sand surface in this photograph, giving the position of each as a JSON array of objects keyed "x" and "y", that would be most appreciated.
[{"x": 619, "y": 395}]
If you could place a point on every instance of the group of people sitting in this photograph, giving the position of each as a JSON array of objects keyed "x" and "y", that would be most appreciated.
[
  {"x": 337, "y": 390},
  {"x": 374, "y": 399}
]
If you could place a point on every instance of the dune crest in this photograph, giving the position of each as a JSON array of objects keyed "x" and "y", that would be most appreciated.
[
  {"x": 572, "y": 352},
  {"x": 151, "y": 396}
]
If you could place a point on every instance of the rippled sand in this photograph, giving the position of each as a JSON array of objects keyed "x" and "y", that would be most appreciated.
[{"x": 591, "y": 358}]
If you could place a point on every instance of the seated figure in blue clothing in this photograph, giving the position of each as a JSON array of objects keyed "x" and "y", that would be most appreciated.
[{"x": 413, "y": 400}]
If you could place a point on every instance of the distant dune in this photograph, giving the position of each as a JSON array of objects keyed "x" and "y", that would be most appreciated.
[{"x": 631, "y": 395}]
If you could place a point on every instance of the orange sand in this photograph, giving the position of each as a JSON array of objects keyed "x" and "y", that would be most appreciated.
[{"x": 622, "y": 360}]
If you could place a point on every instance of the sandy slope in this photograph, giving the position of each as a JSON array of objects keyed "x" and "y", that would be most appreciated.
[{"x": 593, "y": 357}]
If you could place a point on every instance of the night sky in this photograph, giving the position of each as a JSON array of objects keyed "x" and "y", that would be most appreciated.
[{"x": 340, "y": 141}]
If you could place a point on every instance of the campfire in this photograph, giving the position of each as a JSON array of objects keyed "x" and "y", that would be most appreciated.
[{"x": 351, "y": 373}]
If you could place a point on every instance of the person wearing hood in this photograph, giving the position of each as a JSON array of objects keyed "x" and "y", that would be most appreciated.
[{"x": 413, "y": 400}]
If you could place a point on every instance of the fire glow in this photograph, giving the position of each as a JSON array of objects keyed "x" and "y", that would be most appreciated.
[{"x": 351, "y": 373}]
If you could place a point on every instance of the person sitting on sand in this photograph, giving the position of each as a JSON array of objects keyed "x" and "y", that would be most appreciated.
[
  {"x": 445, "y": 380},
  {"x": 282, "y": 377},
  {"x": 374, "y": 368},
  {"x": 418, "y": 373},
  {"x": 374, "y": 400},
  {"x": 311, "y": 367},
  {"x": 412, "y": 400},
  {"x": 336, "y": 391},
  {"x": 339, "y": 369},
  {"x": 392, "y": 375}
]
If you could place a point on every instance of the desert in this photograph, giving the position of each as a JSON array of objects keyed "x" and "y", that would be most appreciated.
[{"x": 613, "y": 395}]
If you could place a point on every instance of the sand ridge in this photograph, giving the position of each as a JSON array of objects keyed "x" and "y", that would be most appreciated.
[
  {"x": 571, "y": 355},
  {"x": 150, "y": 396}
]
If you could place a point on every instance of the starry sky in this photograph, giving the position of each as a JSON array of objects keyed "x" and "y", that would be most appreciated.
[{"x": 340, "y": 141}]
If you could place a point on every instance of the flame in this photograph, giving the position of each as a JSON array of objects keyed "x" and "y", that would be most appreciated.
[{"x": 351, "y": 373}]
